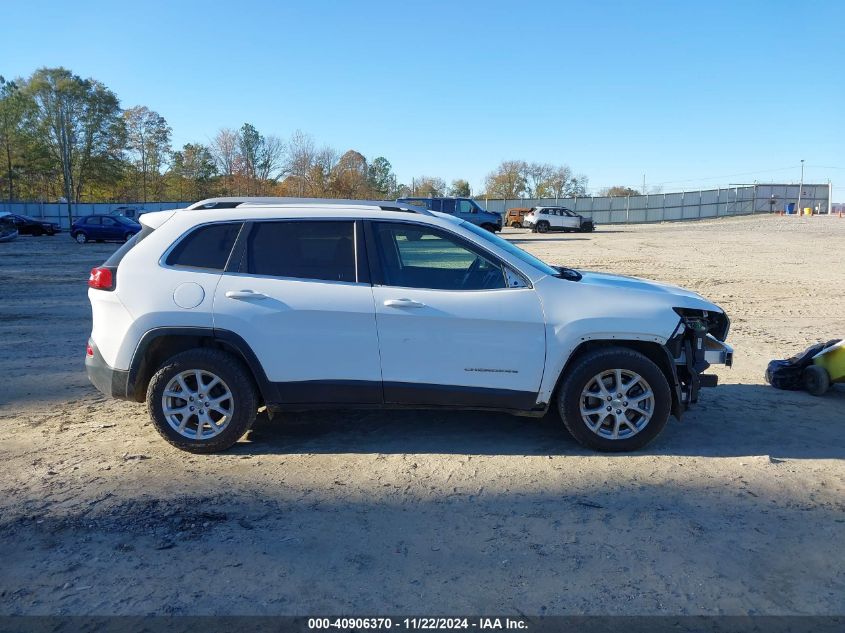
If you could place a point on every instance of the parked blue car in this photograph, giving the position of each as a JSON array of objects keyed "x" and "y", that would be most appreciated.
[
  {"x": 99, "y": 228},
  {"x": 463, "y": 208}
]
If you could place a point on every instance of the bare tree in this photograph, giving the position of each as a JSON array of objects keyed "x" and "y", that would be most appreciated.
[
  {"x": 429, "y": 186},
  {"x": 562, "y": 183},
  {"x": 271, "y": 156},
  {"x": 301, "y": 158},
  {"x": 225, "y": 150},
  {"x": 537, "y": 177}
]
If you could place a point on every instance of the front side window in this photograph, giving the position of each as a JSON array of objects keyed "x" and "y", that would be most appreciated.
[
  {"x": 303, "y": 250},
  {"x": 109, "y": 222},
  {"x": 415, "y": 256},
  {"x": 466, "y": 206},
  {"x": 208, "y": 246},
  {"x": 93, "y": 221}
]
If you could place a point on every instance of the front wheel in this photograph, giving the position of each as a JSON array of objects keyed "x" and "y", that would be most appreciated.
[
  {"x": 489, "y": 227},
  {"x": 516, "y": 225},
  {"x": 614, "y": 400},
  {"x": 202, "y": 400},
  {"x": 816, "y": 380},
  {"x": 80, "y": 238}
]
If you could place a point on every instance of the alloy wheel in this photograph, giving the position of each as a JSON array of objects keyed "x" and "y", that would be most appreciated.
[
  {"x": 617, "y": 404},
  {"x": 197, "y": 404}
]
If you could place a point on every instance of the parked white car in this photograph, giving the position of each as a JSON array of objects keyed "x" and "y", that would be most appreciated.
[
  {"x": 216, "y": 310},
  {"x": 543, "y": 219}
]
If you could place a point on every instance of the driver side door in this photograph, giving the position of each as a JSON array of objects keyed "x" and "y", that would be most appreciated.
[{"x": 455, "y": 326}]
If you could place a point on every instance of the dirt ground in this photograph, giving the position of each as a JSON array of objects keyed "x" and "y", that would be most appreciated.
[{"x": 738, "y": 509}]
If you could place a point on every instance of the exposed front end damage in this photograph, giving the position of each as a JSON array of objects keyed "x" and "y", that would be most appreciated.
[{"x": 697, "y": 343}]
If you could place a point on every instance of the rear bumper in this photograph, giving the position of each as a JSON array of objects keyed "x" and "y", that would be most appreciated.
[{"x": 108, "y": 381}]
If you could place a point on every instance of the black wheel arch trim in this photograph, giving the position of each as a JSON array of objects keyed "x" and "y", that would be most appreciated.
[
  {"x": 664, "y": 361},
  {"x": 229, "y": 340}
]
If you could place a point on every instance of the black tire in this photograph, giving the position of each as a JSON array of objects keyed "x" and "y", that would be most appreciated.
[
  {"x": 37, "y": 232},
  {"x": 816, "y": 380},
  {"x": 489, "y": 227},
  {"x": 128, "y": 237},
  {"x": 581, "y": 373},
  {"x": 542, "y": 227},
  {"x": 80, "y": 237},
  {"x": 516, "y": 225},
  {"x": 232, "y": 372}
]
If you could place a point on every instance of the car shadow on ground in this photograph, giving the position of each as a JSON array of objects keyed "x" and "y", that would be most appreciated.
[
  {"x": 549, "y": 239},
  {"x": 732, "y": 421}
]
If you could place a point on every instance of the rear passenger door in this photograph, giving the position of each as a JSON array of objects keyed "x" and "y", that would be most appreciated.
[
  {"x": 112, "y": 229},
  {"x": 300, "y": 297}
]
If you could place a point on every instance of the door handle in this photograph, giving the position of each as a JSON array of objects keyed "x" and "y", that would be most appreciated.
[
  {"x": 403, "y": 303},
  {"x": 245, "y": 294}
]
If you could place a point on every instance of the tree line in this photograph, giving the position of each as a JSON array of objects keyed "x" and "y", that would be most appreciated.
[{"x": 66, "y": 138}]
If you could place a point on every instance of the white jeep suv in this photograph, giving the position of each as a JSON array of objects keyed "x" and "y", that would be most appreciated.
[
  {"x": 215, "y": 311},
  {"x": 543, "y": 219}
]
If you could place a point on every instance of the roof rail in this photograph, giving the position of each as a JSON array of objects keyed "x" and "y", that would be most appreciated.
[{"x": 232, "y": 202}]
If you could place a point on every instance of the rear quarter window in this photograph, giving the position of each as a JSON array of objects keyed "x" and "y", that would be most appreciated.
[
  {"x": 205, "y": 247},
  {"x": 133, "y": 241}
]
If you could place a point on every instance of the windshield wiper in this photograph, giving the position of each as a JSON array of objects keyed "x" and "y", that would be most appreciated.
[{"x": 570, "y": 274}]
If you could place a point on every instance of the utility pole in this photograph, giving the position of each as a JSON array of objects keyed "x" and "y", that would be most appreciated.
[
  {"x": 800, "y": 188},
  {"x": 643, "y": 191}
]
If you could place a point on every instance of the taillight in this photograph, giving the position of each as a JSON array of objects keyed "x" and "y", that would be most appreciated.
[
  {"x": 89, "y": 351},
  {"x": 101, "y": 278}
]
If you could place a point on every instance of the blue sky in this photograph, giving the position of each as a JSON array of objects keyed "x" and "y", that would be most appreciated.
[{"x": 688, "y": 93}]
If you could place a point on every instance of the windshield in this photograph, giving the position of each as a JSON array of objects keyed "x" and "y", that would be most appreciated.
[{"x": 510, "y": 248}]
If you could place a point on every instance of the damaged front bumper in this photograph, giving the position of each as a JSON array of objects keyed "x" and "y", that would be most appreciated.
[{"x": 697, "y": 343}]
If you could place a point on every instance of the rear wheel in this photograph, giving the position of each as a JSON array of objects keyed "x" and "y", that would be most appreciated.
[
  {"x": 489, "y": 227},
  {"x": 202, "y": 400},
  {"x": 516, "y": 225},
  {"x": 614, "y": 400},
  {"x": 128, "y": 237},
  {"x": 81, "y": 238},
  {"x": 542, "y": 227},
  {"x": 816, "y": 380}
]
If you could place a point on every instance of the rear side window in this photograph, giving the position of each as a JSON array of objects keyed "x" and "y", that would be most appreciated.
[
  {"x": 117, "y": 256},
  {"x": 303, "y": 250},
  {"x": 206, "y": 247}
]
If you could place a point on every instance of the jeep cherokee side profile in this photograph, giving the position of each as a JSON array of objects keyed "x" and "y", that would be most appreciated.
[
  {"x": 212, "y": 312},
  {"x": 543, "y": 219}
]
